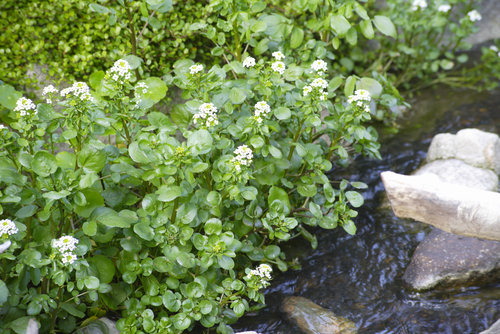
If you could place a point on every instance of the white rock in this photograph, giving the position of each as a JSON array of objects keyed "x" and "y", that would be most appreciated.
[{"x": 474, "y": 147}]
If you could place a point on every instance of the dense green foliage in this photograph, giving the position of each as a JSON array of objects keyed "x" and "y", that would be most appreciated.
[{"x": 180, "y": 216}]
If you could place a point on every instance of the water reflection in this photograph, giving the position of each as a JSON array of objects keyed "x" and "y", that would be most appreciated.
[{"x": 359, "y": 277}]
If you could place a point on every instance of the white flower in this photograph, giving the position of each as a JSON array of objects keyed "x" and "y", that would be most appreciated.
[
  {"x": 279, "y": 67},
  {"x": 68, "y": 257},
  {"x": 121, "y": 71},
  {"x": 307, "y": 90},
  {"x": 320, "y": 83},
  {"x": 25, "y": 106},
  {"x": 65, "y": 243},
  {"x": 494, "y": 48},
  {"x": 7, "y": 227},
  {"x": 261, "y": 109},
  {"x": 196, "y": 68},
  {"x": 243, "y": 157},
  {"x": 474, "y": 15},
  {"x": 418, "y": 4},
  {"x": 80, "y": 90},
  {"x": 357, "y": 99},
  {"x": 249, "y": 62},
  {"x": 261, "y": 275},
  {"x": 49, "y": 89},
  {"x": 319, "y": 65},
  {"x": 323, "y": 97},
  {"x": 278, "y": 55},
  {"x": 2, "y": 127},
  {"x": 207, "y": 112},
  {"x": 444, "y": 8}
]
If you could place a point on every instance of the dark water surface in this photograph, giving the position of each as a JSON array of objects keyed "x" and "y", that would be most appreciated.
[{"x": 359, "y": 277}]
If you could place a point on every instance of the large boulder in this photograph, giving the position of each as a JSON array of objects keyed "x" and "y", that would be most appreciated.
[
  {"x": 494, "y": 329},
  {"x": 445, "y": 259},
  {"x": 458, "y": 172},
  {"x": 474, "y": 147},
  {"x": 311, "y": 318}
]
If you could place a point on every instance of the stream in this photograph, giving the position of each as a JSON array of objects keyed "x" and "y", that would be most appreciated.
[{"x": 359, "y": 277}]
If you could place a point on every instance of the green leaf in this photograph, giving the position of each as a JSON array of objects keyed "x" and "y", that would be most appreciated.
[
  {"x": 27, "y": 211},
  {"x": 339, "y": 24},
  {"x": 315, "y": 210},
  {"x": 144, "y": 231},
  {"x": 257, "y": 141},
  {"x": 93, "y": 200},
  {"x": 226, "y": 262},
  {"x": 72, "y": 310},
  {"x": 371, "y": 85},
  {"x": 260, "y": 48},
  {"x": 349, "y": 85},
  {"x": 90, "y": 228},
  {"x": 194, "y": 290},
  {"x": 249, "y": 193},
  {"x": 9, "y": 96},
  {"x": 105, "y": 267},
  {"x": 359, "y": 185},
  {"x": 44, "y": 163},
  {"x": 275, "y": 152},
  {"x": 160, "y": 121},
  {"x": 98, "y": 8},
  {"x": 4, "y": 292},
  {"x": 168, "y": 194},
  {"x": 328, "y": 222},
  {"x": 109, "y": 217},
  {"x": 361, "y": 11},
  {"x": 352, "y": 36},
  {"x": 276, "y": 193},
  {"x": 180, "y": 115},
  {"x": 385, "y": 26},
  {"x": 258, "y": 7},
  {"x": 157, "y": 89},
  {"x": 307, "y": 190},
  {"x": 20, "y": 325},
  {"x": 355, "y": 198},
  {"x": 272, "y": 252},
  {"x": 213, "y": 226},
  {"x": 237, "y": 95},
  {"x": 181, "y": 321},
  {"x": 163, "y": 7},
  {"x": 100, "y": 85},
  {"x": 205, "y": 307},
  {"x": 297, "y": 38},
  {"x": 91, "y": 159},
  {"x": 200, "y": 142},
  {"x": 185, "y": 260},
  {"x": 259, "y": 26},
  {"x": 91, "y": 282},
  {"x": 349, "y": 227},
  {"x": 367, "y": 29},
  {"x": 133, "y": 61},
  {"x": 282, "y": 113},
  {"x": 151, "y": 285}
]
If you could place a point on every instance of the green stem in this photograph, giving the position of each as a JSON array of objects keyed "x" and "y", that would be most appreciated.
[
  {"x": 334, "y": 143},
  {"x": 236, "y": 33},
  {"x": 132, "y": 35},
  {"x": 54, "y": 313},
  {"x": 176, "y": 204}
]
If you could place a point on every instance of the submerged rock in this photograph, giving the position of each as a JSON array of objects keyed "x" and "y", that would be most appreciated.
[
  {"x": 445, "y": 259},
  {"x": 313, "y": 319}
]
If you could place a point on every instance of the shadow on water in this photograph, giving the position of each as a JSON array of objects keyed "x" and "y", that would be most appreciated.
[{"x": 359, "y": 277}]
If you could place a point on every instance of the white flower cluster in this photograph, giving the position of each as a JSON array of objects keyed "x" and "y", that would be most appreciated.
[
  {"x": 444, "y": 8},
  {"x": 243, "y": 157},
  {"x": 261, "y": 109},
  {"x": 121, "y": 71},
  {"x": 495, "y": 49},
  {"x": 25, "y": 106},
  {"x": 279, "y": 67},
  {"x": 357, "y": 99},
  {"x": 49, "y": 90},
  {"x": 474, "y": 15},
  {"x": 79, "y": 90},
  {"x": 196, "y": 68},
  {"x": 418, "y": 4},
  {"x": 319, "y": 66},
  {"x": 66, "y": 245},
  {"x": 320, "y": 85},
  {"x": 278, "y": 55},
  {"x": 249, "y": 62},
  {"x": 140, "y": 88},
  {"x": 262, "y": 274},
  {"x": 208, "y": 113},
  {"x": 143, "y": 86},
  {"x": 7, "y": 227}
]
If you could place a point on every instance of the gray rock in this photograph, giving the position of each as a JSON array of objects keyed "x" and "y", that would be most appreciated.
[
  {"x": 313, "y": 319},
  {"x": 458, "y": 172},
  {"x": 110, "y": 324},
  {"x": 475, "y": 147},
  {"x": 494, "y": 329},
  {"x": 445, "y": 259}
]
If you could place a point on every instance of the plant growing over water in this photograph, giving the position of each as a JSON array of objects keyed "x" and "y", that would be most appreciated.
[{"x": 171, "y": 229}]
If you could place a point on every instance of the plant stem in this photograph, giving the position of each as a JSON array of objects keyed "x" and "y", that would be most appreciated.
[
  {"x": 54, "y": 313},
  {"x": 132, "y": 36}
]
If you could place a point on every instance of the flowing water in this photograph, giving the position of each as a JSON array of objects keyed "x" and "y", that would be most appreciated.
[{"x": 359, "y": 277}]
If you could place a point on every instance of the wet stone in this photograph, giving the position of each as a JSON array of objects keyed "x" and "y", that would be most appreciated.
[
  {"x": 311, "y": 318},
  {"x": 494, "y": 329},
  {"x": 443, "y": 260}
]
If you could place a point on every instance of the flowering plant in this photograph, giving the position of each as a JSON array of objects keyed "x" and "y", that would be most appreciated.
[{"x": 173, "y": 229}]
